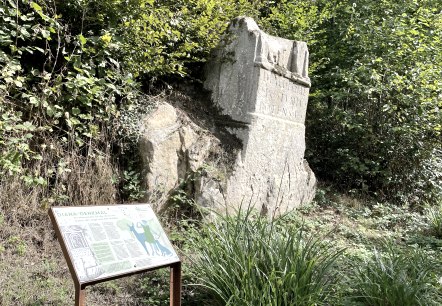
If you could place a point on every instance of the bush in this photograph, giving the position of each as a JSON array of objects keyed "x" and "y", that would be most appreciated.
[
  {"x": 73, "y": 69},
  {"x": 55, "y": 82},
  {"x": 374, "y": 119},
  {"x": 169, "y": 37},
  {"x": 373, "y": 122},
  {"x": 248, "y": 260},
  {"x": 395, "y": 278}
]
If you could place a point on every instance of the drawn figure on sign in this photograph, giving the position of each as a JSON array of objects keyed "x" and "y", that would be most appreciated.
[
  {"x": 141, "y": 237},
  {"x": 152, "y": 240},
  {"x": 149, "y": 238}
]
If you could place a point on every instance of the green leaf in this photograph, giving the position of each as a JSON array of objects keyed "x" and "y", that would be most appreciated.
[
  {"x": 36, "y": 7},
  {"x": 46, "y": 34},
  {"x": 82, "y": 39},
  {"x": 75, "y": 111},
  {"x": 18, "y": 83}
]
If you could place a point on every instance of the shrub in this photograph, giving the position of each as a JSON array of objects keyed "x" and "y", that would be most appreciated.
[
  {"x": 168, "y": 37},
  {"x": 373, "y": 122},
  {"x": 248, "y": 260},
  {"x": 435, "y": 220},
  {"x": 374, "y": 119},
  {"x": 69, "y": 68},
  {"x": 395, "y": 278},
  {"x": 54, "y": 81}
]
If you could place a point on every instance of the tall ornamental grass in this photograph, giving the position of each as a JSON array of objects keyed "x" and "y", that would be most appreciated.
[
  {"x": 395, "y": 278},
  {"x": 249, "y": 260}
]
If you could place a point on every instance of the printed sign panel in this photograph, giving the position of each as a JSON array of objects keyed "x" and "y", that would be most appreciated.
[{"x": 105, "y": 241}]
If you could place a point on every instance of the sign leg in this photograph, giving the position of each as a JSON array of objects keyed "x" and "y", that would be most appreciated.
[
  {"x": 80, "y": 296},
  {"x": 175, "y": 284}
]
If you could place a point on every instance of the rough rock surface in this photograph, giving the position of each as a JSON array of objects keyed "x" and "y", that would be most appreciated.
[
  {"x": 171, "y": 146},
  {"x": 261, "y": 83}
]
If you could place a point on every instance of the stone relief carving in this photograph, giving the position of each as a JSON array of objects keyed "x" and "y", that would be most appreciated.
[{"x": 287, "y": 60}]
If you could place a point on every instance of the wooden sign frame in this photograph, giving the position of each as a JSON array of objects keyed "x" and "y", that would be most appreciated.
[{"x": 172, "y": 261}]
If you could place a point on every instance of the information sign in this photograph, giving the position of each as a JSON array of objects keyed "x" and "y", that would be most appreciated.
[{"x": 107, "y": 242}]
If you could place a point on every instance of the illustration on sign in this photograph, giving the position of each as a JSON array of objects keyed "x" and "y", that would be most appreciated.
[{"x": 103, "y": 241}]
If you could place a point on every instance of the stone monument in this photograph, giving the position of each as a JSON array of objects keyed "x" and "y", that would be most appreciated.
[{"x": 260, "y": 82}]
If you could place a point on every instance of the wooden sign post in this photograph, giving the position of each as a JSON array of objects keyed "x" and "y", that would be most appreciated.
[{"x": 102, "y": 243}]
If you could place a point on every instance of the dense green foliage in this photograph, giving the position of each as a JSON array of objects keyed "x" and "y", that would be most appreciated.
[
  {"x": 71, "y": 73},
  {"x": 169, "y": 36},
  {"x": 54, "y": 84},
  {"x": 374, "y": 122}
]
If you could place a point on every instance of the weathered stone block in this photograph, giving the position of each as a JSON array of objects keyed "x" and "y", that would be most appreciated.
[{"x": 261, "y": 82}]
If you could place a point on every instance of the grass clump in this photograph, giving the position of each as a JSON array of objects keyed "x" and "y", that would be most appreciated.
[
  {"x": 394, "y": 277},
  {"x": 435, "y": 220},
  {"x": 249, "y": 260}
]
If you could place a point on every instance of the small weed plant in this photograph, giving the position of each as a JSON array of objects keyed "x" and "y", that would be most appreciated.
[
  {"x": 395, "y": 277},
  {"x": 246, "y": 259}
]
